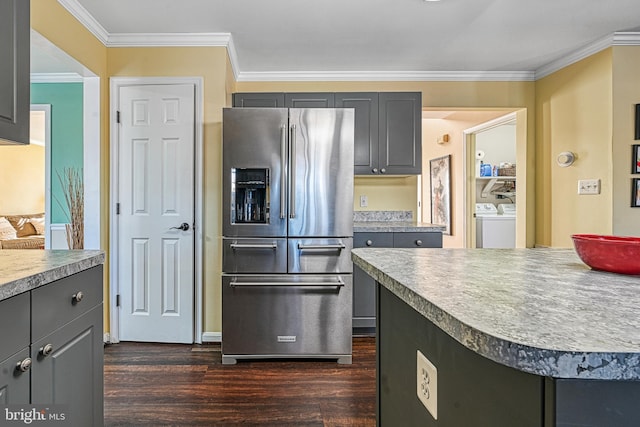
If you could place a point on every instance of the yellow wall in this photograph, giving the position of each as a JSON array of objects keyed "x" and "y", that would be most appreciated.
[
  {"x": 392, "y": 193},
  {"x": 53, "y": 22},
  {"x": 444, "y": 95},
  {"x": 574, "y": 113},
  {"x": 626, "y": 93},
  {"x": 586, "y": 108},
  {"x": 22, "y": 180},
  {"x": 211, "y": 64}
]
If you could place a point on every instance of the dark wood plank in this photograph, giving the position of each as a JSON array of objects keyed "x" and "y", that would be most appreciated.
[{"x": 172, "y": 384}]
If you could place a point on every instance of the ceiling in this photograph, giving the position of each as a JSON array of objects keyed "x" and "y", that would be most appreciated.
[{"x": 389, "y": 37}]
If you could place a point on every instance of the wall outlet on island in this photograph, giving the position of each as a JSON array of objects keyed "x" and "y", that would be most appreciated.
[
  {"x": 427, "y": 380},
  {"x": 364, "y": 202}
]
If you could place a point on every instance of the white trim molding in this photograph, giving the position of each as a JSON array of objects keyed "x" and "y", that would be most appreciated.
[
  {"x": 81, "y": 14},
  {"x": 248, "y": 76},
  {"x": 212, "y": 337},
  {"x": 114, "y": 85},
  {"x": 615, "y": 39}
]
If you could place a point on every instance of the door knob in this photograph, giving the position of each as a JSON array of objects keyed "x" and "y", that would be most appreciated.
[{"x": 184, "y": 227}]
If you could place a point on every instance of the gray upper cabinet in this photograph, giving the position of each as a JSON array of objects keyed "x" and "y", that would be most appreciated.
[
  {"x": 14, "y": 71},
  {"x": 366, "y": 128},
  {"x": 400, "y": 129},
  {"x": 309, "y": 100},
  {"x": 388, "y": 125},
  {"x": 267, "y": 99}
]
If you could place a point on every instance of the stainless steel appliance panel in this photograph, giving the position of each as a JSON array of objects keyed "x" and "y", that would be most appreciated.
[
  {"x": 286, "y": 316},
  {"x": 320, "y": 255},
  {"x": 255, "y": 138},
  {"x": 254, "y": 255},
  {"x": 321, "y": 165}
]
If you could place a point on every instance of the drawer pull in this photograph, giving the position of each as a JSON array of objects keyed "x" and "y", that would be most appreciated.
[
  {"x": 24, "y": 365},
  {"x": 77, "y": 297},
  {"x": 46, "y": 350},
  {"x": 418, "y": 242},
  {"x": 339, "y": 246},
  {"x": 369, "y": 242}
]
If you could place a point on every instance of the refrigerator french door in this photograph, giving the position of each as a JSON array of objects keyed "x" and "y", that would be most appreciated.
[{"x": 287, "y": 233}]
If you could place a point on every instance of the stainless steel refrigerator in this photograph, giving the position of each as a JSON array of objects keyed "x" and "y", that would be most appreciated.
[{"x": 287, "y": 233}]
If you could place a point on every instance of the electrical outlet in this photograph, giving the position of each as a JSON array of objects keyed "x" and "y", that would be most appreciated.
[
  {"x": 427, "y": 382},
  {"x": 364, "y": 202},
  {"x": 589, "y": 186}
]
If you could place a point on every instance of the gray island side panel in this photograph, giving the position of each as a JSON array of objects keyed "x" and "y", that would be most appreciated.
[
  {"x": 541, "y": 311},
  {"x": 22, "y": 270}
]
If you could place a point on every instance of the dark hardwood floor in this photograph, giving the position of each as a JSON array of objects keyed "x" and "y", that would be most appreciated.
[{"x": 170, "y": 384}]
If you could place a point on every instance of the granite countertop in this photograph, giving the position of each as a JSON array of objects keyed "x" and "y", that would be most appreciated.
[
  {"x": 390, "y": 221},
  {"x": 541, "y": 311},
  {"x": 22, "y": 270}
]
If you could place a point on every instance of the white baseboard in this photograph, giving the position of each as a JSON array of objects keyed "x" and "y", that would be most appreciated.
[
  {"x": 212, "y": 337},
  {"x": 58, "y": 236}
]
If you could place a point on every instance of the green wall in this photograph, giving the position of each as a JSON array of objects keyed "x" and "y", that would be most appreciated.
[{"x": 66, "y": 135}]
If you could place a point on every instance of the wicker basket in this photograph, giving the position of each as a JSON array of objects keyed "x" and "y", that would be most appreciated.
[{"x": 511, "y": 171}]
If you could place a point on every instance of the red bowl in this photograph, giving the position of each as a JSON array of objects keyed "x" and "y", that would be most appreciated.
[{"x": 609, "y": 253}]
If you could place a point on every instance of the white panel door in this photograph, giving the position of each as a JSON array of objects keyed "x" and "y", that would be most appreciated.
[{"x": 156, "y": 196}]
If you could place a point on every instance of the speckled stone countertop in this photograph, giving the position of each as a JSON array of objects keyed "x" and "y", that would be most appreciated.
[
  {"x": 390, "y": 222},
  {"x": 22, "y": 270},
  {"x": 541, "y": 311}
]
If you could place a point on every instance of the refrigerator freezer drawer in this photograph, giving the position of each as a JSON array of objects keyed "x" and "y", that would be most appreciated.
[
  {"x": 254, "y": 255},
  {"x": 320, "y": 256},
  {"x": 286, "y": 316}
]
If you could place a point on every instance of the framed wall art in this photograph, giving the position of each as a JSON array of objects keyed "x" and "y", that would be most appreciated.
[
  {"x": 637, "y": 134},
  {"x": 635, "y": 158},
  {"x": 440, "y": 174},
  {"x": 635, "y": 193}
]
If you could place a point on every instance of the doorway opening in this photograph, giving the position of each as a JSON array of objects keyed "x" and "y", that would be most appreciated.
[{"x": 453, "y": 132}]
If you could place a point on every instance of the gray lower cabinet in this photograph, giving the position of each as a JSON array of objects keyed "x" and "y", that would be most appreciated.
[
  {"x": 14, "y": 349},
  {"x": 364, "y": 286},
  {"x": 56, "y": 331},
  {"x": 14, "y": 71}
]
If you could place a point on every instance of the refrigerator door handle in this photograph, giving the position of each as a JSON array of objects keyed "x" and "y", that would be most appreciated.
[
  {"x": 249, "y": 246},
  {"x": 339, "y": 283},
  {"x": 292, "y": 172},
  {"x": 283, "y": 171},
  {"x": 338, "y": 246}
]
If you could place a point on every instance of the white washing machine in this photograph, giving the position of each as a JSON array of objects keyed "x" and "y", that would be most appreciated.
[{"x": 493, "y": 228}]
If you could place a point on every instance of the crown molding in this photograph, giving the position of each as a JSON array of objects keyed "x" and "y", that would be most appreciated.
[
  {"x": 226, "y": 40},
  {"x": 629, "y": 38},
  {"x": 56, "y": 78},
  {"x": 86, "y": 19},
  {"x": 614, "y": 39},
  {"x": 369, "y": 76},
  {"x": 167, "y": 39}
]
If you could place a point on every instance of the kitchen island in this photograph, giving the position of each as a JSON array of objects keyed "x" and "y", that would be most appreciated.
[
  {"x": 526, "y": 337},
  {"x": 51, "y": 334}
]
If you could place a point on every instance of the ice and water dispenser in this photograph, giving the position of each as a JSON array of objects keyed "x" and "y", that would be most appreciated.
[{"x": 249, "y": 195}]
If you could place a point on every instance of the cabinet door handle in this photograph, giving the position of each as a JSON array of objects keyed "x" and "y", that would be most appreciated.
[
  {"x": 77, "y": 297},
  {"x": 418, "y": 242},
  {"x": 383, "y": 170},
  {"x": 24, "y": 365},
  {"x": 374, "y": 170},
  {"x": 46, "y": 350},
  {"x": 369, "y": 242}
]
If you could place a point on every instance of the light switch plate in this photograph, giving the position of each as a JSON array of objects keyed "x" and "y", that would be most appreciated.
[
  {"x": 427, "y": 382},
  {"x": 364, "y": 202},
  {"x": 589, "y": 186}
]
